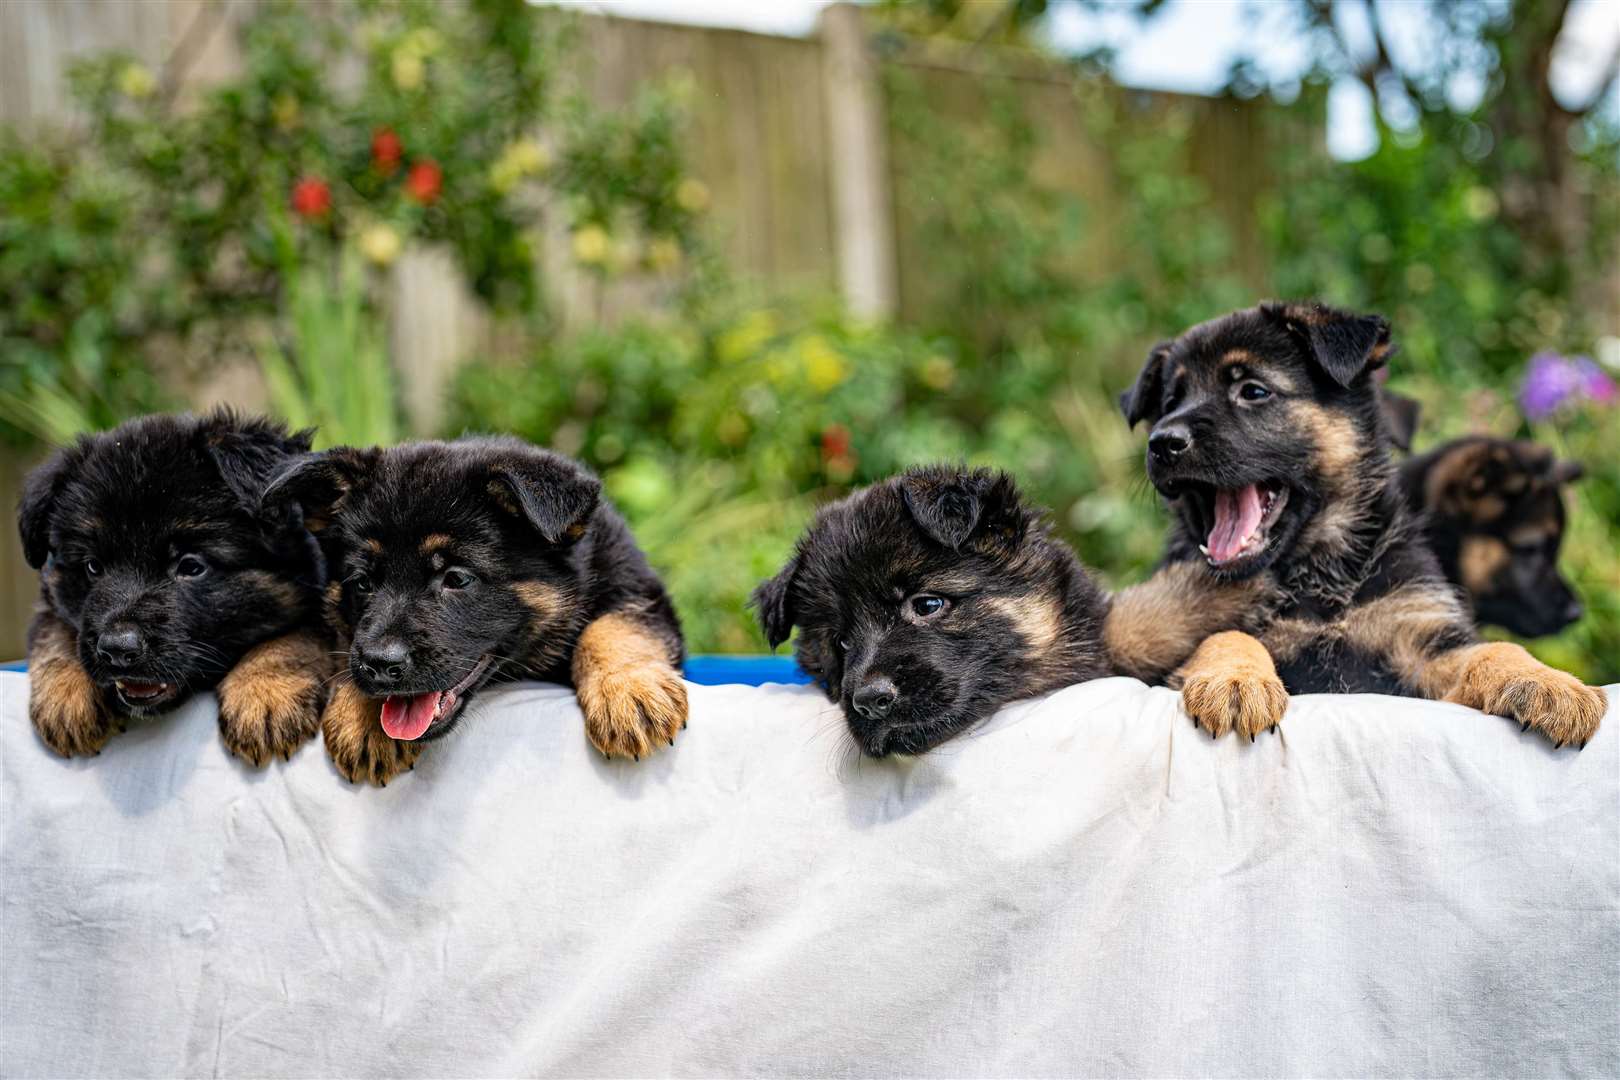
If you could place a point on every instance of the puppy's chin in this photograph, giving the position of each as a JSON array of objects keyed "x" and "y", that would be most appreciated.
[{"x": 908, "y": 737}]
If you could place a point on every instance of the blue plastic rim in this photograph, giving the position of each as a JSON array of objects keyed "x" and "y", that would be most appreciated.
[{"x": 703, "y": 670}]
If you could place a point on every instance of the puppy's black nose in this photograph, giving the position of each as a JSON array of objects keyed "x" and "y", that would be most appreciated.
[
  {"x": 874, "y": 699},
  {"x": 384, "y": 662},
  {"x": 1168, "y": 443},
  {"x": 121, "y": 646}
]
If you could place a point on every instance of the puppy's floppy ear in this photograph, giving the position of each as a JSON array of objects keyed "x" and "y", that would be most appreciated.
[
  {"x": 1141, "y": 401},
  {"x": 555, "y": 495},
  {"x": 249, "y": 453},
  {"x": 319, "y": 484},
  {"x": 951, "y": 506},
  {"x": 773, "y": 602},
  {"x": 1400, "y": 417},
  {"x": 1342, "y": 343},
  {"x": 38, "y": 501}
]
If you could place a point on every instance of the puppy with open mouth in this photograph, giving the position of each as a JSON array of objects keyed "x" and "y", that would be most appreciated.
[
  {"x": 1269, "y": 444},
  {"x": 161, "y": 576},
  {"x": 455, "y": 564}
]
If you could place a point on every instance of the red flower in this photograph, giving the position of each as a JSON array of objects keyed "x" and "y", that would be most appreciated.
[
  {"x": 834, "y": 442},
  {"x": 311, "y": 198},
  {"x": 386, "y": 150},
  {"x": 423, "y": 182}
]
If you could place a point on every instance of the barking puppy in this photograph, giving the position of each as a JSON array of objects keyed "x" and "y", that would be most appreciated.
[
  {"x": 457, "y": 563},
  {"x": 929, "y": 600},
  {"x": 160, "y": 576},
  {"x": 1493, "y": 513},
  {"x": 1270, "y": 447}
]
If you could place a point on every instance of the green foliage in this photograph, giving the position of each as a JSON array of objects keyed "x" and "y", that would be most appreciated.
[
  {"x": 332, "y": 373},
  {"x": 159, "y": 235}
]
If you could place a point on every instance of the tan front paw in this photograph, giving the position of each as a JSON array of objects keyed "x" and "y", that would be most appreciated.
[
  {"x": 67, "y": 710},
  {"x": 351, "y": 726},
  {"x": 633, "y": 710},
  {"x": 270, "y": 703},
  {"x": 1503, "y": 679},
  {"x": 1231, "y": 684}
]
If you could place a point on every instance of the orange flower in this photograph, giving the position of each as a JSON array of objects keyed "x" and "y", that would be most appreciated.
[
  {"x": 311, "y": 198},
  {"x": 424, "y": 181}
]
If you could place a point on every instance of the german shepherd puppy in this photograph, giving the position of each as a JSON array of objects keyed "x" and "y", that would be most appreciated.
[
  {"x": 457, "y": 563},
  {"x": 929, "y": 600},
  {"x": 160, "y": 576},
  {"x": 1269, "y": 445},
  {"x": 1493, "y": 513}
]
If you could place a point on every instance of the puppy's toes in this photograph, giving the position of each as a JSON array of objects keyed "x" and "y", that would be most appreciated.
[
  {"x": 1248, "y": 704},
  {"x": 633, "y": 710},
  {"x": 67, "y": 711},
  {"x": 1209, "y": 700},
  {"x": 268, "y": 715},
  {"x": 1559, "y": 705},
  {"x": 355, "y": 741}
]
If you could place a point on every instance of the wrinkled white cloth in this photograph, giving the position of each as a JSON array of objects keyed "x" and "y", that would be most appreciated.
[{"x": 1088, "y": 885}]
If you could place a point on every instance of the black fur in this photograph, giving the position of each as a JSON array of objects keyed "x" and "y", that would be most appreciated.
[
  {"x": 866, "y": 573},
  {"x": 1314, "y": 437},
  {"x": 1493, "y": 513},
  {"x": 117, "y": 524},
  {"x": 515, "y": 518}
]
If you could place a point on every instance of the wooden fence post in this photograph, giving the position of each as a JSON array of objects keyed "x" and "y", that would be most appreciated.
[{"x": 857, "y": 136}]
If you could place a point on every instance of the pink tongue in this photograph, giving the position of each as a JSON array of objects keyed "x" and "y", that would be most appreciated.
[
  {"x": 1237, "y": 515},
  {"x": 405, "y": 718}
]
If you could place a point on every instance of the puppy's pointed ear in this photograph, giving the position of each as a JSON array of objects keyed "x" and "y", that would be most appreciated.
[
  {"x": 1400, "y": 417},
  {"x": 319, "y": 484},
  {"x": 1141, "y": 401},
  {"x": 40, "y": 492},
  {"x": 1342, "y": 343},
  {"x": 552, "y": 493},
  {"x": 1566, "y": 471},
  {"x": 952, "y": 507},
  {"x": 773, "y": 603},
  {"x": 250, "y": 453}
]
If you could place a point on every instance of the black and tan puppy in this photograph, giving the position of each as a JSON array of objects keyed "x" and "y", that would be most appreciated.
[
  {"x": 457, "y": 563},
  {"x": 927, "y": 601},
  {"x": 1493, "y": 514},
  {"x": 1269, "y": 444},
  {"x": 160, "y": 577}
]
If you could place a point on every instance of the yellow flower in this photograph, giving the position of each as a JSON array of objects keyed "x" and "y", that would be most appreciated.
[
  {"x": 408, "y": 68},
  {"x": 528, "y": 157},
  {"x": 284, "y": 110},
  {"x": 824, "y": 366},
  {"x": 663, "y": 254},
  {"x": 380, "y": 244},
  {"x": 592, "y": 245},
  {"x": 744, "y": 339},
  {"x": 135, "y": 81},
  {"x": 692, "y": 195}
]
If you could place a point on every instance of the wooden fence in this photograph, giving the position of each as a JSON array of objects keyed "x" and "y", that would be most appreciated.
[{"x": 789, "y": 135}]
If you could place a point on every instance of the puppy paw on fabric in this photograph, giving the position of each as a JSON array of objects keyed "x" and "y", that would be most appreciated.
[
  {"x": 1231, "y": 684},
  {"x": 351, "y": 727},
  {"x": 66, "y": 709},
  {"x": 270, "y": 703},
  {"x": 1503, "y": 679},
  {"x": 632, "y": 711}
]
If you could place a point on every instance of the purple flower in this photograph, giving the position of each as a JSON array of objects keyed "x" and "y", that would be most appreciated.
[
  {"x": 1552, "y": 382},
  {"x": 1549, "y": 382}
]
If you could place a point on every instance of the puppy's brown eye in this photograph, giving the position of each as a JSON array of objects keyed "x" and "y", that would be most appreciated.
[
  {"x": 92, "y": 568},
  {"x": 361, "y": 583},
  {"x": 1253, "y": 391},
  {"x": 455, "y": 578},
  {"x": 844, "y": 645},
  {"x": 190, "y": 566},
  {"x": 928, "y": 607}
]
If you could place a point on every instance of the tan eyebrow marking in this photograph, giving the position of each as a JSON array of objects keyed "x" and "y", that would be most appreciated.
[
  {"x": 375, "y": 545},
  {"x": 434, "y": 542}
]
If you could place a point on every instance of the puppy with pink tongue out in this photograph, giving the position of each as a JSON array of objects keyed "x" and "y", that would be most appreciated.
[{"x": 457, "y": 564}]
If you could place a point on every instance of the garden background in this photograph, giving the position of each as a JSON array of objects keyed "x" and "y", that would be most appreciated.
[{"x": 741, "y": 274}]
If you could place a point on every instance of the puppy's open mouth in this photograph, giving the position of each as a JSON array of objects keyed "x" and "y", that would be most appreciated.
[
  {"x": 138, "y": 694},
  {"x": 407, "y": 717},
  {"x": 1239, "y": 524}
]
